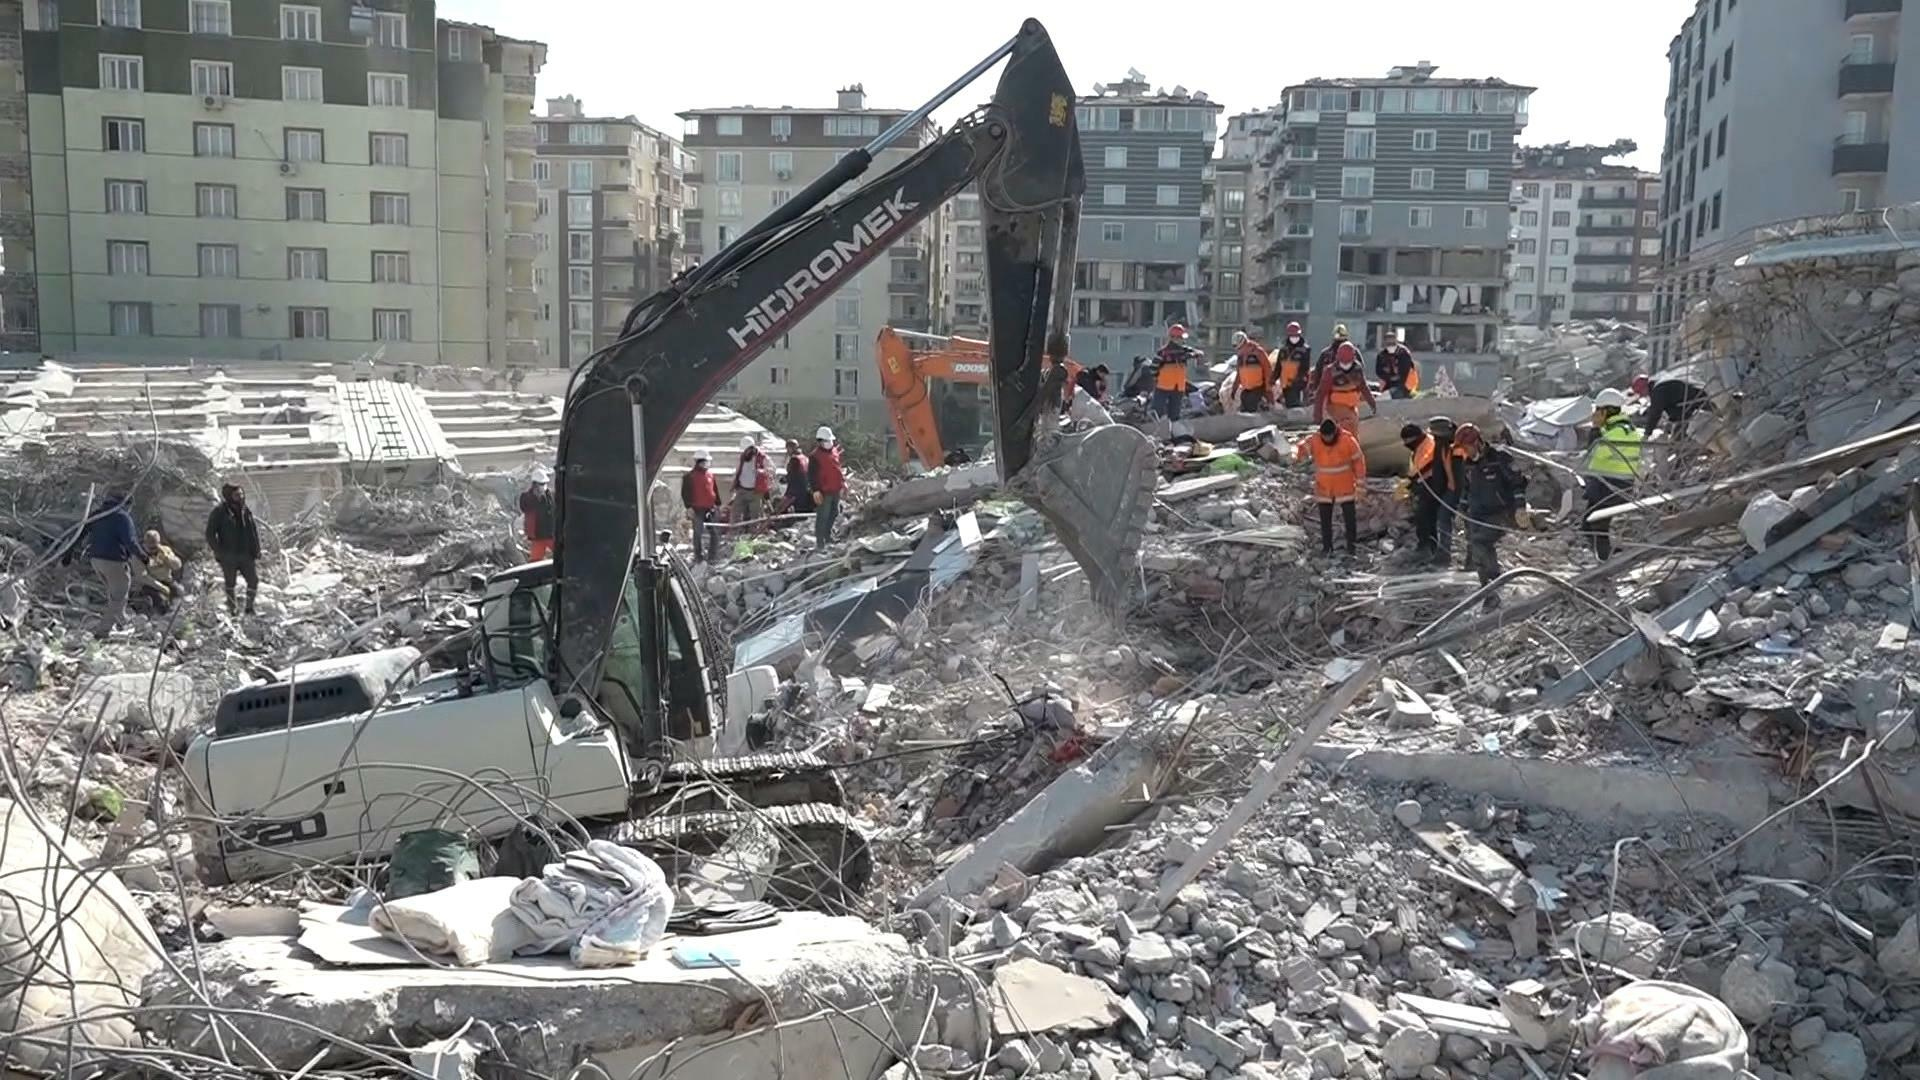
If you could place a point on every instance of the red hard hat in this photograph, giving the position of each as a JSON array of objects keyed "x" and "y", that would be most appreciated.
[
  {"x": 1641, "y": 385},
  {"x": 1293, "y": 328},
  {"x": 1177, "y": 332},
  {"x": 1347, "y": 352}
]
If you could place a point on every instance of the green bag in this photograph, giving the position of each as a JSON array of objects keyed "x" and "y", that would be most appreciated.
[{"x": 430, "y": 860}]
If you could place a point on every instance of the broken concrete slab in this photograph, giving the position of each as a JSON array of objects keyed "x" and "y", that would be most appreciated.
[
  {"x": 1195, "y": 486},
  {"x": 1030, "y": 996},
  {"x": 943, "y": 490},
  {"x": 808, "y": 966}
]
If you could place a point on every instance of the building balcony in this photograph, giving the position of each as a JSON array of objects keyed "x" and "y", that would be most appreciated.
[
  {"x": 521, "y": 138},
  {"x": 1858, "y": 79},
  {"x": 522, "y": 191},
  {"x": 1606, "y": 230},
  {"x": 1294, "y": 268},
  {"x": 1855, "y": 154},
  {"x": 1860, "y": 9},
  {"x": 1603, "y": 260},
  {"x": 522, "y": 245},
  {"x": 522, "y": 300},
  {"x": 517, "y": 85},
  {"x": 1607, "y": 287},
  {"x": 913, "y": 286},
  {"x": 1291, "y": 305},
  {"x": 1610, "y": 202},
  {"x": 523, "y": 351}
]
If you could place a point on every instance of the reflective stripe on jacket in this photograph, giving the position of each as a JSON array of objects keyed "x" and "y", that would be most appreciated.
[
  {"x": 1617, "y": 451},
  {"x": 1337, "y": 469}
]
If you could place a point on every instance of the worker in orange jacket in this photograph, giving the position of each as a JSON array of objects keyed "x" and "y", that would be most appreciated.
[
  {"x": 1296, "y": 359},
  {"x": 1343, "y": 386},
  {"x": 1170, "y": 375},
  {"x": 1254, "y": 370},
  {"x": 1339, "y": 472}
]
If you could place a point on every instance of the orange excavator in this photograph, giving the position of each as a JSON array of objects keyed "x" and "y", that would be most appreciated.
[{"x": 909, "y": 361}]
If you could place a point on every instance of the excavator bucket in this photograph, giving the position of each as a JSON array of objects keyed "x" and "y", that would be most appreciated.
[{"x": 1094, "y": 487}]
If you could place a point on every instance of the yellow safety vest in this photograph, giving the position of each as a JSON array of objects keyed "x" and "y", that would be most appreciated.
[{"x": 1617, "y": 451}]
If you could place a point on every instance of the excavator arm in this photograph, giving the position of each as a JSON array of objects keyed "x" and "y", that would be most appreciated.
[
  {"x": 628, "y": 404},
  {"x": 908, "y": 362}
]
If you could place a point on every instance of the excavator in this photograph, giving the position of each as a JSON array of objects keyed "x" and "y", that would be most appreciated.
[
  {"x": 585, "y": 698},
  {"x": 909, "y": 361}
]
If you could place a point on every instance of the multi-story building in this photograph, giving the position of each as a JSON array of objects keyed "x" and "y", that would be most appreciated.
[
  {"x": 1146, "y": 154},
  {"x": 1382, "y": 204},
  {"x": 964, "y": 284},
  {"x": 1223, "y": 240},
  {"x": 612, "y": 193},
  {"x": 1764, "y": 125},
  {"x": 308, "y": 181},
  {"x": 749, "y": 160},
  {"x": 1585, "y": 240}
]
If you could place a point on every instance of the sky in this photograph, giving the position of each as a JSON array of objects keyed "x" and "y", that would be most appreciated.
[{"x": 1600, "y": 72}]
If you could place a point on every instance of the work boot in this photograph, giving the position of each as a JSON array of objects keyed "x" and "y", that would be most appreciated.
[
  {"x": 233, "y": 606},
  {"x": 250, "y": 605}
]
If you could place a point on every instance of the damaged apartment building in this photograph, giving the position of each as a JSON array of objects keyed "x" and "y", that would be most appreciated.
[
  {"x": 1382, "y": 203},
  {"x": 1586, "y": 237}
]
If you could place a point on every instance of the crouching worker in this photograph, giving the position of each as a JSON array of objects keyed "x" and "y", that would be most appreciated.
[{"x": 158, "y": 585}]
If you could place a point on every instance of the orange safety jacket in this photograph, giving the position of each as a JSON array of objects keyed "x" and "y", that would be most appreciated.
[
  {"x": 1338, "y": 469},
  {"x": 1256, "y": 369},
  {"x": 1424, "y": 460}
]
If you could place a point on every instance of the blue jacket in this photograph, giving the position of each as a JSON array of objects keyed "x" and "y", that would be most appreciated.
[{"x": 110, "y": 536}]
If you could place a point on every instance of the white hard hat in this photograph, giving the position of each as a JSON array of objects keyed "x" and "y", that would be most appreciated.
[
  {"x": 1610, "y": 399},
  {"x": 703, "y": 455},
  {"x": 747, "y": 442},
  {"x": 825, "y": 433},
  {"x": 542, "y": 474},
  {"x": 1239, "y": 337}
]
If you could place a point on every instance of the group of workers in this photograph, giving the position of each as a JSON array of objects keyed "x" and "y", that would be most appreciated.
[
  {"x": 146, "y": 573},
  {"x": 813, "y": 484},
  {"x": 1290, "y": 375}
]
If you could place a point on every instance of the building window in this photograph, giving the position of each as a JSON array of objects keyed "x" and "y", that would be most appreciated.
[
  {"x": 1479, "y": 179},
  {"x": 1420, "y": 217},
  {"x": 1166, "y": 232},
  {"x": 726, "y": 166},
  {"x": 730, "y": 205},
  {"x": 387, "y": 148},
  {"x": 1421, "y": 180},
  {"x": 216, "y": 200},
  {"x": 1563, "y": 191},
  {"x": 299, "y": 23},
  {"x": 726, "y": 234},
  {"x": 1356, "y": 221},
  {"x": 579, "y": 281},
  {"x": 301, "y": 84},
  {"x": 460, "y": 43},
  {"x": 211, "y": 17},
  {"x": 1474, "y": 218},
  {"x": 779, "y": 196},
  {"x": 306, "y": 204},
  {"x": 127, "y": 258},
  {"x": 727, "y": 125},
  {"x": 1529, "y": 191},
  {"x": 579, "y": 176},
  {"x": 1116, "y": 157},
  {"x": 1723, "y": 136},
  {"x": 1426, "y": 140},
  {"x": 120, "y": 13},
  {"x": 390, "y": 208},
  {"x": 781, "y": 161},
  {"x": 1356, "y": 182},
  {"x": 1233, "y": 200},
  {"x": 580, "y": 210},
  {"x": 1113, "y": 232},
  {"x": 1113, "y": 195},
  {"x": 1529, "y": 219},
  {"x": 1529, "y": 247},
  {"x": 392, "y": 267},
  {"x": 1556, "y": 247},
  {"x": 846, "y": 382},
  {"x": 213, "y": 140},
  {"x": 392, "y": 324},
  {"x": 219, "y": 260},
  {"x": 1556, "y": 274},
  {"x": 846, "y": 349},
  {"x": 219, "y": 320},
  {"x": 390, "y": 29},
  {"x": 121, "y": 72},
  {"x": 781, "y": 127},
  {"x": 131, "y": 319},
  {"x": 579, "y": 247},
  {"x": 213, "y": 78},
  {"x": 126, "y": 196},
  {"x": 1169, "y": 157},
  {"x": 129, "y": 136},
  {"x": 306, "y": 264},
  {"x": 304, "y": 144},
  {"x": 580, "y": 315},
  {"x": 542, "y": 169},
  {"x": 1166, "y": 195},
  {"x": 307, "y": 322},
  {"x": 1480, "y": 142},
  {"x": 387, "y": 90},
  {"x": 846, "y": 311},
  {"x": 1523, "y": 301},
  {"x": 1360, "y": 144},
  {"x": 1562, "y": 219},
  {"x": 1523, "y": 274},
  {"x": 1716, "y": 209}
]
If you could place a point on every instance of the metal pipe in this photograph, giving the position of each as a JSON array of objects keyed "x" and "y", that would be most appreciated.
[
  {"x": 642, "y": 497},
  {"x": 913, "y": 119}
]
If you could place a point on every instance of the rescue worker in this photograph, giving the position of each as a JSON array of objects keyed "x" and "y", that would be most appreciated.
[
  {"x": 1094, "y": 381},
  {"x": 1672, "y": 400},
  {"x": 1170, "y": 374},
  {"x": 1427, "y": 481},
  {"x": 234, "y": 538},
  {"x": 1339, "y": 472},
  {"x": 752, "y": 483},
  {"x": 1254, "y": 370},
  {"x": 829, "y": 479},
  {"x": 700, "y": 494},
  {"x": 798, "y": 495},
  {"x": 111, "y": 550},
  {"x": 1343, "y": 386},
  {"x": 536, "y": 515},
  {"x": 1493, "y": 492},
  {"x": 1296, "y": 358},
  {"x": 158, "y": 583},
  {"x": 1612, "y": 465},
  {"x": 1395, "y": 367},
  {"x": 1326, "y": 358},
  {"x": 1446, "y": 485}
]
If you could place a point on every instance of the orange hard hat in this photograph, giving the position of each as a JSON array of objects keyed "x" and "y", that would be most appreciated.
[
  {"x": 1347, "y": 352},
  {"x": 1177, "y": 332},
  {"x": 1293, "y": 328}
]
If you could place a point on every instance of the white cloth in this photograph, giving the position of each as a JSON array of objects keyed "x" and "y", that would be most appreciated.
[
  {"x": 606, "y": 904},
  {"x": 472, "y": 922},
  {"x": 747, "y": 476},
  {"x": 1665, "y": 1031}
]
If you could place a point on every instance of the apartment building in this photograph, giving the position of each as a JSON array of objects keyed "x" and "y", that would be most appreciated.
[
  {"x": 963, "y": 285},
  {"x": 1223, "y": 223},
  {"x": 612, "y": 198},
  {"x": 302, "y": 181},
  {"x": 1383, "y": 204},
  {"x": 1586, "y": 238},
  {"x": 746, "y": 161},
  {"x": 1146, "y": 153},
  {"x": 1778, "y": 111}
]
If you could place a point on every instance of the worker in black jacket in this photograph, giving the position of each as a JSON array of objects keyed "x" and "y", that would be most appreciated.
[
  {"x": 1394, "y": 366},
  {"x": 1493, "y": 491},
  {"x": 233, "y": 536}
]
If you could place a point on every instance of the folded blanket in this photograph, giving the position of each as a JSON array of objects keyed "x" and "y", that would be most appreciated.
[
  {"x": 1657, "y": 1030},
  {"x": 606, "y": 904},
  {"x": 471, "y": 922}
]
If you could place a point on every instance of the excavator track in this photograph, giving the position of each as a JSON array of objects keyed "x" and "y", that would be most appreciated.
[
  {"x": 762, "y": 780},
  {"x": 825, "y": 861}
]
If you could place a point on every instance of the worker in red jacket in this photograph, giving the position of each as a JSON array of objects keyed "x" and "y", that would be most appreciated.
[
  {"x": 828, "y": 480},
  {"x": 700, "y": 494},
  {"x": 536, "y": 515},
  {"x": 1343, "y": 386},
  {"x": 752, "y": 482}
]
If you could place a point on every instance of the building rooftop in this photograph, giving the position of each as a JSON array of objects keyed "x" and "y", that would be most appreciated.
[
  {"x": 751, "y": 110},
  {"x": 1571, "y": 168},
  {"x": 1420, "y": 74}
]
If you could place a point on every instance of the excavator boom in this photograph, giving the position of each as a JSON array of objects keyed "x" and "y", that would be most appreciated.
[
  {"x": 908, "y": 362},
  {"x": 627, "y": 405}
]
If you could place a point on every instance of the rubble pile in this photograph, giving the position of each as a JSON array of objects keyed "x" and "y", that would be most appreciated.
[{"x": 1571, "y": 358}]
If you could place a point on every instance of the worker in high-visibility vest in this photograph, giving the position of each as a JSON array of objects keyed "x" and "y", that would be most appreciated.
[
  {"x": 1339, "y": 472},
  {"x": 1253, "y": 371},
  {"x": 1432, "y": 480},
  {"x": 1295, "y": 358},
  {"x": 1170, "y": 374},
  {"x": 1612, "y": 465},
  {"x": 1343, "y": 386}
]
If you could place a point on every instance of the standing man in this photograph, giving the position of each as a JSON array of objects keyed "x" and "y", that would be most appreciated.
[
  {"x": 700, "y": 494},
  {"x": 797, "y": 498},
  {"x": 1254, "y": 370},
  {"x": 1296, "y": 359},
  {"x": 829, "y": 479},
  {"x": 1612, "y": 465},
  {"x": 1339, "y": 471},
  {"x": 1170, "y": 374},
  {"x": 752, "y": 483},
  {"x": 233, "y": 536},
  {"x": 1343, "y": 386},
  {"x": 1446, "y": 485},
  {"x": 536, "y": 514},
  {"x": 1325, "y": 359},
  {"x": 1425, "y": 504},
  {"x": 111, "y": 549},
  {"x": 1494, "y": 491},
  {"x": 1395, "y": 367}
]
